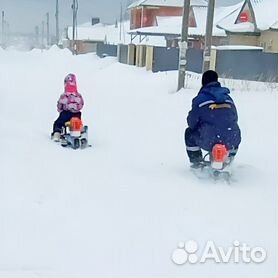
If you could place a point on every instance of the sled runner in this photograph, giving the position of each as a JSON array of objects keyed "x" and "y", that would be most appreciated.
[{"x": 217, "y": 162}]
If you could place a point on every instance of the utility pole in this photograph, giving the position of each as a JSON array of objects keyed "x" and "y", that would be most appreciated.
[
  {"x": 47, "y": 30},
  {"x": 37, "y": 34},
  {"x": 3, "y": 28},
  {"x": 208, "y": 37},
  {"x": 183, "y": 44},
  {"x": 42, "y": 33},
  {"x": 57, "y": 22},
  {"x": 121, "y": 19},
  {"x": 74, "y": 26},
  {"x": 7, "y": 32}
]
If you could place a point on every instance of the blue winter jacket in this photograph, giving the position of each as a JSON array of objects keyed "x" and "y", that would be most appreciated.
[{"x": 214, "y": 116}]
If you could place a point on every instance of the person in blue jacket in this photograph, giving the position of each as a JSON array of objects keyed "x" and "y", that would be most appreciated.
[{"x": 212, "y": 120}]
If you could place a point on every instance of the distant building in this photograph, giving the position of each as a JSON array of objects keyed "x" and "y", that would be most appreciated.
[
  {"x": 91, "y": 33},
  {"x": 143, "y": 13},
  {"x": 254, "y": 23},
  {"x": 95, "y": 20},
  {"x": 169, "y": 27}
]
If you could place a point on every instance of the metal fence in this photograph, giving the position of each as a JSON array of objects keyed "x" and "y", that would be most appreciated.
[
  {"x": 243, "y": 64},
  {"x": 194, "y": 60},
  {"x": 123, "y": 53},
  {"x": 247, "y": 64},
  {"x": 166, "y": 59},
  {"x": 104, "y": 50}
]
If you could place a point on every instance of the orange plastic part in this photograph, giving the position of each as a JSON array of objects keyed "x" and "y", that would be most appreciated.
[
  {"x": 219, "y": 153},
  {"x": 76, "y": 124}
]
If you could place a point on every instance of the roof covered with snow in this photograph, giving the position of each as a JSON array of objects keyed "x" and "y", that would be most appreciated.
[
  {"x": 110, "y": 34},
  {"x": 172, "y": 25},
  {"x": 266, "y": 13},
  {"x": 245, "y": 27},
  {"x": 266, "y": 17},
  {"x": 100, "y": 32},
  {"x": 275, "y": 25},
  {"x": 166, "y": 3},
  {"x": 166, "y": 26}
]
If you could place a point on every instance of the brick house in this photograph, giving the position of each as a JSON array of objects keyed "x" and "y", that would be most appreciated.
[
  {"x": 169, "y": 27},
  {"x": 143, "y": 13}
]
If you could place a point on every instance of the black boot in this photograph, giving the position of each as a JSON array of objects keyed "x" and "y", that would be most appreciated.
[{"x": 195, "y": 157}]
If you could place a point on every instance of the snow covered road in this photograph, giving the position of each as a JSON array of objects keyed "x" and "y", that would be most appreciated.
[{"x": 120, "y": 208}]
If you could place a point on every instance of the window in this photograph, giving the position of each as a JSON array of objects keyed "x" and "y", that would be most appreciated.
[{"x": 245, "y": 15}]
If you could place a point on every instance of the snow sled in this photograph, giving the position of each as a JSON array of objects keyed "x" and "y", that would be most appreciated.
[
  {"x": 74, "y": 134},
  {"x": 217, "y": 162}
]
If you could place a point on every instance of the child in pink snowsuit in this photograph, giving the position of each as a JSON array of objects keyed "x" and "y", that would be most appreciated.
[{"x": 69, "y": 104}]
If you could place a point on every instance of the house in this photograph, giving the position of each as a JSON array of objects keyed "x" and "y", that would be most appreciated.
[
  {"x": 254, "y": 23},
  {"x": 88, "y": 35},
  {"x": 143, "y": 13},
  {"x": 170, "y": 27}
]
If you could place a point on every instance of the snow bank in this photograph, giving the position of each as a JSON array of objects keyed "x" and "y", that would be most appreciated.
[{"x": 119, "y": 208}]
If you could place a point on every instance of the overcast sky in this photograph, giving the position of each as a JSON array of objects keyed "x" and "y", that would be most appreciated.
[{"x": 24, "y": 15}]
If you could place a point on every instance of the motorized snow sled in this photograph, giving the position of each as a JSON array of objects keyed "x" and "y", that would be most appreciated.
[
  {"x": 217, "y": 162},
  {"x": 74, "y": 134}
]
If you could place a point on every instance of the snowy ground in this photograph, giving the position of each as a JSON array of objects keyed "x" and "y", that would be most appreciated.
[{"x": 120, "y": 208}]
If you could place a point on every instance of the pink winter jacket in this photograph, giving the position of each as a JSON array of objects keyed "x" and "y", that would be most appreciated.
[{"x": 72, "y": 102}]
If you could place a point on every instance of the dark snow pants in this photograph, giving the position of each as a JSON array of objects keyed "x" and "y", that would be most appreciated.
[
  {"x": 193, "y": 142},
  {"x": 192, "y": 139},
  {"x": 64, "y": 117}
]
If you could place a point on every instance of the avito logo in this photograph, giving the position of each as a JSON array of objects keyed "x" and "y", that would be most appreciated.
[{"x": 190, "y": 252}]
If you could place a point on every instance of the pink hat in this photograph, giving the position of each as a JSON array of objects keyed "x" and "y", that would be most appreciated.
[{"x": 70, "y": 83}]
